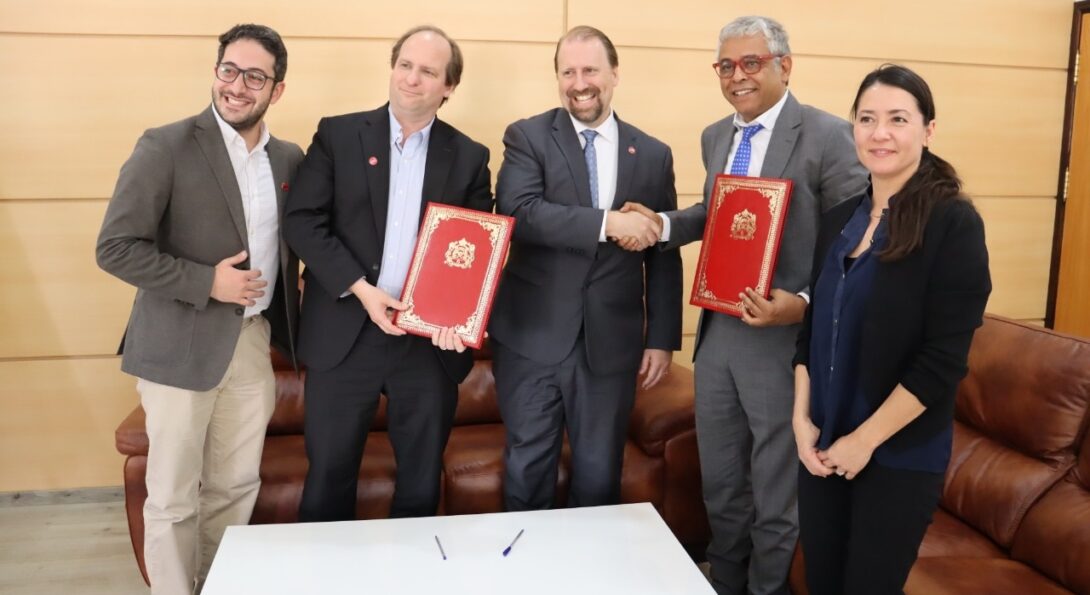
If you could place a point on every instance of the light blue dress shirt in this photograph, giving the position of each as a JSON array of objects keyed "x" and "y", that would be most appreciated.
[{"x": 408, "y": 156}]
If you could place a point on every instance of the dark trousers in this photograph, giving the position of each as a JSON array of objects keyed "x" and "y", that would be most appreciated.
[
  {"x": 340, "y": 406},
  {"x": 537, "y": 402},
  {"x": 862, "y": 536}
]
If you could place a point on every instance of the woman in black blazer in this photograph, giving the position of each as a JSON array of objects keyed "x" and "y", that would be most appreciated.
[{"x": 899, "y": 283}]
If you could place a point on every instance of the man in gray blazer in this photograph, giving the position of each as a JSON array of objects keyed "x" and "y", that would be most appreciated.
[
  {"x": 576, "y": 318},
  {"x": 194, "y": 225},
  {"x": 744, "y": 381}
]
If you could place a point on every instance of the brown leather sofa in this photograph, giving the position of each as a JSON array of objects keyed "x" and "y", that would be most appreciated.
[
  {"x": 660, "y": 460},
  {"x": 1015, "y": 511}
]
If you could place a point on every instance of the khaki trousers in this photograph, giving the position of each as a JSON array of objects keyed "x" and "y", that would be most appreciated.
[{"x": 204, "y": 454}]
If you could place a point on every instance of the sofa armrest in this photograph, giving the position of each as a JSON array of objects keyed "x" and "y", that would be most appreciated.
[
  {"x": 130, "y": 437},
  {"x": 664, "y": 411}
]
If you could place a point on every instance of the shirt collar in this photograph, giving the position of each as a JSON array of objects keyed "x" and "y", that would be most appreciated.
[
  {"x": 232, "y": 138},
  {"x": 395, "y": 130},
  {"x": 767, "y": 119},
  {"x": 607, "y": 129}
]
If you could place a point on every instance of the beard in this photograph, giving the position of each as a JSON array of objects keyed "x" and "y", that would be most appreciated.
[
  {"x": 588, "y": 114},
  {"x": 246, "y": 123}
]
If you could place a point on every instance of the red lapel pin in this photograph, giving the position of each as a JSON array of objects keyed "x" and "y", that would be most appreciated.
[
  {"x": 284, "y": 186},
  {"x": 631, "y": 150},
  {"x": 373, "y": 160}
]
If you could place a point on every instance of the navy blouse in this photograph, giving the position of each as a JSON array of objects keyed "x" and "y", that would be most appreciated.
[{"x": 839, "y": 303}]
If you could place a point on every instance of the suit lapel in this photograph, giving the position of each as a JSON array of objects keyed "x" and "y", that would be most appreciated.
[
  {"x": 568, "y": 143},
  {"x": 375, "y": 141},
  {"x": 717, "y": 160},
  {"x": 281, "y": 171},
  {"x": 210, "y": 140},
  {"x": 626, "y": 161},
  {"x": 784, "y": 135},
  {"x": 439, "y": 161}
]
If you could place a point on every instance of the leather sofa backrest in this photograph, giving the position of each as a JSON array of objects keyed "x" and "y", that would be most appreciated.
[
  {"x": 1020, "y": 412},
  {"x": 1054, "y": 538}
]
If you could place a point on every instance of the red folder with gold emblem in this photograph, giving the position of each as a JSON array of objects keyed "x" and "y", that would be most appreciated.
[
  {"x": 741, "y": 241},
  {"x": 455, "y": 269}
]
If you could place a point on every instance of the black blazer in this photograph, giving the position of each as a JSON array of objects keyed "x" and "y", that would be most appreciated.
[
  {"x": 921, "y": 315},
  {"x": 559, "y": 278},
  {"x": 336, "y": 221}
]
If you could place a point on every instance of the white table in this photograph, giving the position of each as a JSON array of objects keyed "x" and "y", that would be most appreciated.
[{"x": 607, "y": 549}]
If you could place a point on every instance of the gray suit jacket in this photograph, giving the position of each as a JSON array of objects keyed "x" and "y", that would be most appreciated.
[
  {"x": 175, "y": 213},
  {"x": 812, "y": 148},
  {"x": 559, "y": 278}
]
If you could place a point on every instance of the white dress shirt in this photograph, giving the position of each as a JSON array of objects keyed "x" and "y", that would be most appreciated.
[
  {"x": 258, "y": 190},
  {"x": 605, "y": 150}
]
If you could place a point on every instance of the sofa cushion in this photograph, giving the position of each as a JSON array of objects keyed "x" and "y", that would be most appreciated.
[
  {"x": 990, "y": 486},
  {"x": 1055, "y": 535},
  {"x": 994, "y": 576},
  {"x": 949, "y": 536}
]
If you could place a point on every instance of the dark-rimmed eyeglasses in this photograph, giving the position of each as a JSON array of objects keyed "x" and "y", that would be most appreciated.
[
  {"x": 749, "y": 64},
  {"x": 254, "y": 79}
]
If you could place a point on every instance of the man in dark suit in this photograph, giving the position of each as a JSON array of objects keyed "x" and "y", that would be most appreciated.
[
  {"x": 353, "y": 217},
  {"x": 194, "y": 225},
  {"x": 568, "y": 327},
  {"x": 744, "y": 381}
]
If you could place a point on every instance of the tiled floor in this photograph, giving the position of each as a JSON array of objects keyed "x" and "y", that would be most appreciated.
[{"x": 67, "y": 543}]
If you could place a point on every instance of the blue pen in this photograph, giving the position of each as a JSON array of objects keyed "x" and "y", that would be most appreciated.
[
  {"x": 441, "y": 552},
  {"x": 508, "y": 549}
]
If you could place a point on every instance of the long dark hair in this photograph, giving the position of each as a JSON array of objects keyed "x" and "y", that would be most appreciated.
[{"x": 933, "y": 182}]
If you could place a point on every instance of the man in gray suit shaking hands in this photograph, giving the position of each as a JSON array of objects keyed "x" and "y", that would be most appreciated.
[
  {"x": 744, "y": 381},
  {"x": 576, "y": 318},
  {"x": 194, "y": 224}
]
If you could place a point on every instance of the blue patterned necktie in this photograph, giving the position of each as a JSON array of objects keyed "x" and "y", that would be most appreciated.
[
  {"x": 592, "y": 164},
  {"x": 740, "y": 167}
]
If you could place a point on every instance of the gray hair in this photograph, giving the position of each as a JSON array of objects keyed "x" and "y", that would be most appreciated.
[{"x": 770, "y": 29}]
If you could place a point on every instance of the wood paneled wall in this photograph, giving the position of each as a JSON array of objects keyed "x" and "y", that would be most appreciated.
[{"x": 82, "y": 80}]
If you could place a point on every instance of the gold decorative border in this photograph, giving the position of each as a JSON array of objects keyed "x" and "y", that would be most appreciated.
[
  {"x": 498, "y": 227},
  {"x": 776, "y": 192}
]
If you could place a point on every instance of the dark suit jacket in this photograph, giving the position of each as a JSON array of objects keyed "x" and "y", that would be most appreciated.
[
  {"x": 921, "y": 314},
  {"x": 175, "y": 213},
  {"x": 336, "y": 221},
  {"x": 559, "y": 278},
  {"x": 808, "y": 146}
]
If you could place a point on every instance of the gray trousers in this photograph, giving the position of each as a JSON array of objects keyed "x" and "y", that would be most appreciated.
[{"x": 748, "y": 459}]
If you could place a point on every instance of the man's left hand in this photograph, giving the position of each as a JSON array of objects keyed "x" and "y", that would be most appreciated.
[
  {"x": 656, "y": 363},
  {"x": 781, "y": 308}
]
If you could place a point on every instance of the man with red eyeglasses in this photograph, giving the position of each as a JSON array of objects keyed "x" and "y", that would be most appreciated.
[
  {"x": 194, "y": 224},
  {"x": 744, "y": 380}
]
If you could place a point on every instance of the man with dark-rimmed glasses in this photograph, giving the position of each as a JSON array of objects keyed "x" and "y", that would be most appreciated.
[
  {"x": 194, "y": 224},
  {"x": 744, "y": 381}
]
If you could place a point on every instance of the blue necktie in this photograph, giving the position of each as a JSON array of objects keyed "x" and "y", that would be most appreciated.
[
  {"x": 592, "y": 164},
  {"x": 740, "y": 167}
]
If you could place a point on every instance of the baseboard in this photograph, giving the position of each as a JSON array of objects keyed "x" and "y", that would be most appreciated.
[{"x": 74, "y": 496}]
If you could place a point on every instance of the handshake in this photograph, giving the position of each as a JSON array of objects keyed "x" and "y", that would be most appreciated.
[{"x": 634, "y": 227}]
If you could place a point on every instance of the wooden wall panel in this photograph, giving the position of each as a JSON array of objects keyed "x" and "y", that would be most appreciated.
[
  {"x": 1003, "y": 143},
  {"x": 58, "y": 424},
  {"x": 58, "y": 149},
  {"x": 54, "y": 300},
  {"x": 1019, "y": 236},
  {"x": 467, "y": 19},
  {"x": 970, "y": 32}
]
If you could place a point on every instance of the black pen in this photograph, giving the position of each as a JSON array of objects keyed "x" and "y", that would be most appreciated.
[
  {"x": 444, "y": 554},
  {"x": 508, "y": 549}
]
